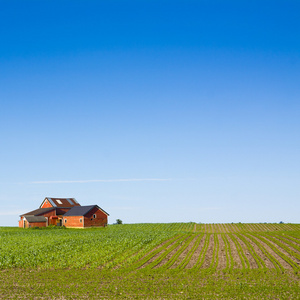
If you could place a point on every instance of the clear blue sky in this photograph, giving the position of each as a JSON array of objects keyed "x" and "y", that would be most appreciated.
[{"x": 157, "y": 111}]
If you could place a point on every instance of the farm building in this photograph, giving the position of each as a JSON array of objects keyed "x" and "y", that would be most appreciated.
[{"x": 64, "y": 212}]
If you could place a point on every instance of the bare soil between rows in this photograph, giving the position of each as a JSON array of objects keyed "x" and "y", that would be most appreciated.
[{"x": 234, "y": 251}]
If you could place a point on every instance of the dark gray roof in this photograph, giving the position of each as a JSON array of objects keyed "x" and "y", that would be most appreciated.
[
  {"x": 79, "y": 210},
  {"x": 33, "y": 219},
  {"x": 39, "y": 211}
]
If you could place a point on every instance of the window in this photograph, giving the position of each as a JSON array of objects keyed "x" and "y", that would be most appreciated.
[
  {"x": 65, "y": 220},
  {"x": 80, "y": 220},
  {"x": 58, "y": 201},
  {"x": 94, "y": 216}
]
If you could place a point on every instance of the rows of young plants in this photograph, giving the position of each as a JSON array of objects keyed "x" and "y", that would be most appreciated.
[
  {"x": 152, "y": 261},
  {"x": 241, "y": 227},
  {"x": 74, "y": 248},
  {"x": 155, "y": 246},
  {"x": 249, "y": 249}
]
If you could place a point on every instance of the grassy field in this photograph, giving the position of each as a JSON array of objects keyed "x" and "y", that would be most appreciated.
[{"x": 152, "y": 261}]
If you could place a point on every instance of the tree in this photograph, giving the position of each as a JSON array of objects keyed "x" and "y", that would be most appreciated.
[{"x": 119, "y": 221}]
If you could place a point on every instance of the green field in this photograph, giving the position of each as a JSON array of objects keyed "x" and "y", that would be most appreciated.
[{"x": 152, "y": 261}]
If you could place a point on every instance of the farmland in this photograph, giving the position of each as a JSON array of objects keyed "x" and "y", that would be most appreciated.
[{"x": 170, "y": 261}]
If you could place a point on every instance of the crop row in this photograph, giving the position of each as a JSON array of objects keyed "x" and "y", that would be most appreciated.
[
  {"x": 226, "y": 251},
  {"x": 154, "y": 246},
  {"x": 240, "y": 227},
  {"x": 108, "y": 247}
]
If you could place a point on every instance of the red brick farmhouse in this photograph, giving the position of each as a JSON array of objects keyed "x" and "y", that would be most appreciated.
[{"x": 64, "y": 212}]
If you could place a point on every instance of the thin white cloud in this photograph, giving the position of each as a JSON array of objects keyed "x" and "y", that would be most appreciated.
[{"x": 102, "y": 180}]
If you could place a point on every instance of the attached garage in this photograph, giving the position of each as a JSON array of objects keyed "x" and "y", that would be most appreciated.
[
  {"x": 34, "y": 221},
  {"x": 85, "y": 216}
]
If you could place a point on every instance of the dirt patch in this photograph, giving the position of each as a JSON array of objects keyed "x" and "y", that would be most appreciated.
[
  {"x": 196, "y": 254},
  {"x": 293, "y": 238},
  {"x": 253, "y": 250},
  {"x": 209, "y": 253},
  {"x": 253, "y": 227},
  {"x": 200, "y": 228},
  {"x": 269, "y": 264},
  {"x": 246, "y": 251},
  {"x": 222, "y": 254},
  {"x": 195, "y": 228},
  {"x": 217, "y": 228},
  {"x": 258, "y": 228},
  {"x": 206, "y": 228},
  {"x": 284, "y": 252},
  {"x": 228, "y": 228},
  {"x": 263, "y": 227},
  {"x": 157, "y": 254},
  {"x": 285, "y": 239},
  {"x": 183, "y": 255},
  {"x": 232, "y": 228},
  {"x": 172, "y": 253},
  {"x": 281, "y": 261},
  {"x": 222, "y": 228},
  {"x": 237, "y": 263},
  {"x": 289, "y": 227},
  {"x": 273, "y": 227}
]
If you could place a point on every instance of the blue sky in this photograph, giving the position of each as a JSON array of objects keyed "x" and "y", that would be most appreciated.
[{"x": 157, "y": 111}]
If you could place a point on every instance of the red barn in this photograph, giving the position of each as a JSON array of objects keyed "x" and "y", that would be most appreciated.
[
  {"x": 34, "y": 221},
  {"x": 64, "y": 211},
  {"x": 85, "y": 216}
]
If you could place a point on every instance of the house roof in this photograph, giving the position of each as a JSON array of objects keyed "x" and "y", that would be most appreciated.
[
  {"x": 34, "y": 219},
  {"x": 82, "y": 210},
  {"x": 39, "y": 211},
  {"x": 61, "y": 202}
]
